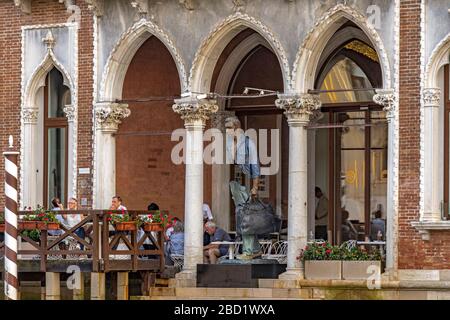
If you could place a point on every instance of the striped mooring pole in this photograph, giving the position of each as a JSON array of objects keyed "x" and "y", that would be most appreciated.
[{"x": 11, "y": 173}]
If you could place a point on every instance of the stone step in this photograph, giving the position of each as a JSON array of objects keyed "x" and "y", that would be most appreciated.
[{"x": 229, "y": 293}]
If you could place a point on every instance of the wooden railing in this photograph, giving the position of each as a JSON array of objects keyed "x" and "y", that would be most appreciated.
[{"x": 101, "y": 250}]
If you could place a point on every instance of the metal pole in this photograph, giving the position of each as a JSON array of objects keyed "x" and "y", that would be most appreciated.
[{"x": 11, "y": 274}]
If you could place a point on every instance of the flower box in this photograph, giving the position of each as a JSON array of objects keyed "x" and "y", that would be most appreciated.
[
  {"x": 27, "y": 225},
  {"x": 153, "y": 227},
  {"x": 323, "y": 269},
  {"x": 47, "y": 226},
  {"x": 2, "y": 228},
  {"x": 359, "y": 270},
  {"x": 125, "y": 226}
]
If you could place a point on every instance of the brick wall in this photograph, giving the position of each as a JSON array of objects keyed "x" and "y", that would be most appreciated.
[
  {"x": 43, "y": 12},
  {"x": 414, "y": 253}
]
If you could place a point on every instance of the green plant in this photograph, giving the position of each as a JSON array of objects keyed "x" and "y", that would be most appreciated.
[
  {"x": 34, "y": 234},
  {"x": 155, "y": 217},
  {"x": 40, "y": 214},
  {"x": 347, "y": 252},
  {"x": 320, "y": 251},
  {"x": 2, "y": 219},
  {"x": 355, "y": 253}
]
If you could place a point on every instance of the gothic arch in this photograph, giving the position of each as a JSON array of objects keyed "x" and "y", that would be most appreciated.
[
  {"x": 118, "y": 61},
  {"x": 37, "y": 80},
  {"x": 438, "y": 58},
  {"x": 212, "y": 46},
  {"x": 307, "y": 59}
]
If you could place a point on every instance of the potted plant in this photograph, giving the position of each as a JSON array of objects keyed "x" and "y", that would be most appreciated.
[
  {"x": 123, "y": 222},
  {"x": 358, "y": 263},
  {"x": 322, "y": 261},
  {"x": 155, "y": 221},
  {"x": 2, "y": 223},
  {"x": 41, "y": 219}
]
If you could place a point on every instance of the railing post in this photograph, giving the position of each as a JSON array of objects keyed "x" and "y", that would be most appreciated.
[{"x": 11, "y": 284}]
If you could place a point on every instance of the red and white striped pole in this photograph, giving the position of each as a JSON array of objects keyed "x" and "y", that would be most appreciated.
[{"x": 11, "y": 172}]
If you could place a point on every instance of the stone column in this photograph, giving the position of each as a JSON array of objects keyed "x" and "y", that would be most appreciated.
[
  {"x": 30, "y": 127},
  {"x": 52, "y": 286},
  {"x": 194, "y": 112},
  {"x": 220, "y": 177},
  {"x": 69, "y": 110},
  {"x": 298, "y": 109},
  {"x": 108, "y": 118},
  {"x": 432, "y": 197},
  {"x": 387, "y": 99}
]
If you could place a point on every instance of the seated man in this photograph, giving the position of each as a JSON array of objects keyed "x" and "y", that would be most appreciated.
[
  {"x": 378, "y": 227},
  {"x": 348, "y": 229},
  {"x": 212, "y": 252}
]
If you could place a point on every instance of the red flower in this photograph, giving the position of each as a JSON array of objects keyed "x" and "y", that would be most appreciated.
[{"x": 328, "y": 251}]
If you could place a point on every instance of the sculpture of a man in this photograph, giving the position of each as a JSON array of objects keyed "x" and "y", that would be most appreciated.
[{"x": 243, "y": 153}]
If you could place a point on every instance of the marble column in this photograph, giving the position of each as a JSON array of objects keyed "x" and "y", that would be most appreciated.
[
  {"x": 432, "y": 197},
  {"x": 195, "y": 112},
  {"x": 220, "y": 205},
  {"x": 70, "y": 112},
  {"x": 388, "y": 100},
  {"x": 298, "y": 109},
  {"x": 108, "y": 117},
  {"x": 30, "y": 167}
]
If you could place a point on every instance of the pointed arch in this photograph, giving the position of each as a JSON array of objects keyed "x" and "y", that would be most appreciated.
[
  {"x": 212, "y": 46},
  {"x": 307, "y": 59},
  {"x": 120, "y": 58},
  {"x": 37, "y": 80},
  {"x": 438, "y": 58}
]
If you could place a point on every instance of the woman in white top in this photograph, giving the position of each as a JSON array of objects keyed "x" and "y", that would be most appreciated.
[{"x": 71, "y": 220}]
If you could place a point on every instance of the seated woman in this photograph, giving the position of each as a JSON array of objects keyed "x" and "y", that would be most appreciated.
[
  {"x": 71, "y": 220},
  {"x": 175, "y": 244}
]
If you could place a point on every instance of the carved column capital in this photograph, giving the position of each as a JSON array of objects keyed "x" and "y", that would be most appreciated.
[
  {"x": 30, "y": 116},
  {"x": 110, "y": 115},
  {"x": 96, "y": 6},
  {"x": 388, "y": 99},
  {"x": 70, "y": 112},
  {"x": 218, "y": 119},
  {"x": 23, "y": 5},
  {"x": 194, "y": 111},
  {"x": 299, "y": 109},
  {"x": 431, "y": 97}
]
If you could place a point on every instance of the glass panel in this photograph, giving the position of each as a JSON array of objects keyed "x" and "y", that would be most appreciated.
[
  {"x": 353, "y": 135},
  {"x": 379, "y": 129},
  {"x": 346, "y": 74},
  {"x": 58, "y": 94},
  {"x": 56, "y": 164},
  {"x": 352, "y": 194}
]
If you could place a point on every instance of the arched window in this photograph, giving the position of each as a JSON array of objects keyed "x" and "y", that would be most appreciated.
[
  {"x": 351, "y": 146},
  {"x": 56, "y": 97}
]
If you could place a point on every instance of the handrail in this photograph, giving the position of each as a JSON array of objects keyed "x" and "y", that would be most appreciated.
[{"x": 100, "y": 243}]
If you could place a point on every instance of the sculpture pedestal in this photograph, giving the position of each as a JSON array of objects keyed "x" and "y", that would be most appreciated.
[{"x": 238, "y": 273}]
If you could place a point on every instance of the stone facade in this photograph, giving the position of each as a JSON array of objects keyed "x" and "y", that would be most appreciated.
[{"x": 95, "y": 43}]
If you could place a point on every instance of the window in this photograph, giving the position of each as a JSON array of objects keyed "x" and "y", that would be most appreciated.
[{"x": 56, "y": 97}]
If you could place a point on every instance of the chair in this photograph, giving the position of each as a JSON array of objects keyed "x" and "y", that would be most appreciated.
[
  {"x": 278, "y": 251},
  {"x": 178, "y": 260}
]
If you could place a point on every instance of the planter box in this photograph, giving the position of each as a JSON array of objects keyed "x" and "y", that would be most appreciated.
[
  {"x": 2, "y": 228},
  {"x": 47, "y": 226},
  {"x": 357, "y": 270},
  {"x": 125, "y": 226},
  {"x": 27, "y": 225},
  {"x": 153, "y": 227},
  {"x": 323, "y": 270}
]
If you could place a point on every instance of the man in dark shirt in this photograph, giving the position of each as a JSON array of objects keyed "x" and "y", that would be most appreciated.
[{"x": 212, "y": 252}]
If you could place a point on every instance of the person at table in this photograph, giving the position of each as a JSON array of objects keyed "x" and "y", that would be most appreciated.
[
  {"x": 57, "y": 206},
  {"x": 175, "y": 244},
  {"x": 377, "y": 227},
  {"x": 116, "y": 204},
  {"x": 348, "y": 229},
  {"x": 321, "y": 215},
  {"x": 71, "y": 220},
  {"x": 212, "y": 251},
  {"x": 207, "y": 214}
]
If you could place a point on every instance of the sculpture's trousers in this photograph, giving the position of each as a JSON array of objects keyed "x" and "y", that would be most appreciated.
[{"x": 250, "y": 244}]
